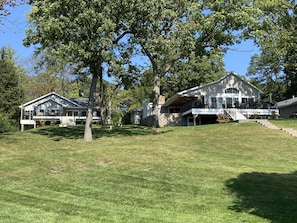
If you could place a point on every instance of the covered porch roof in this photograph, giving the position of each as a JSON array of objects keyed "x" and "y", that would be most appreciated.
[{"x": 178, "y": 100}]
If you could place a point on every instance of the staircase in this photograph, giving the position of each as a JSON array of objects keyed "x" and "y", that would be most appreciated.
[
  {"x": 235, "y": 114},
  {"x": 290, "y": 131},
  {"x": 269, "y": 125}
]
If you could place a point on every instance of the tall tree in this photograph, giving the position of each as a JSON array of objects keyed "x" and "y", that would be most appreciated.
[
  {"x": 165, "y": 33},
  {"x": 82, "y": 31},
  {"x": 266, "y": 71},
  {"x": 11, "y": 92},
  {"x": 168, "y": 32},
  {"x": 276, "y": 65}
]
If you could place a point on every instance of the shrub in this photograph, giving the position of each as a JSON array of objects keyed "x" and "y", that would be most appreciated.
[
  {"x": 6, "y": 124},
  {"x": 255, "y": 116},
  {"x": 274, "y": 115},
  {"x": 223, "y": 118}
]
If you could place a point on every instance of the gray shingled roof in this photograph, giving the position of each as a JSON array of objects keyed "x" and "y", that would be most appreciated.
[{"x": 288, "y": 102}]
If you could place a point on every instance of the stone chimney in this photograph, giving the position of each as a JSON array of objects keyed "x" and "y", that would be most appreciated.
[{"x": 161, "y": 99}]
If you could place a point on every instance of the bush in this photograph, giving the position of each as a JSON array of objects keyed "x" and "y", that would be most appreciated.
[
  {"x": 6, "y": 124},
  {"x": 223, "y": 118},
  {"x": 274, "y": 115}
]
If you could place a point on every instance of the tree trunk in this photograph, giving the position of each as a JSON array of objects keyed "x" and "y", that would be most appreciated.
[
  {"x": 102, "y": 101},
  {"x": 89, "y": 119},
  {"x": 156, "y": 112}
]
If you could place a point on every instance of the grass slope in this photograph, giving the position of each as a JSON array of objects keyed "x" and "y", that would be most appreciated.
[
  {"x": 212, "y": 173},
  {"x": 285, "y": 123}
]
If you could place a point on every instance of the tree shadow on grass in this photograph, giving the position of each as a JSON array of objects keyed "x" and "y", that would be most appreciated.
[
  {"x": 77, "y": 132},
  {"x": 9, "y": 137},
  {"x": 269, "y": 195}
]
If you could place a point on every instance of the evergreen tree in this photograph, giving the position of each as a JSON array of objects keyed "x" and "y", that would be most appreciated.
[{"x": 11, "y": 93}]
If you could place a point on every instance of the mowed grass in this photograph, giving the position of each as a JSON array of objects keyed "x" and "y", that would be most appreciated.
[
  {"x": 285, "y": 123},
  {"x": 212, "y": 173}
]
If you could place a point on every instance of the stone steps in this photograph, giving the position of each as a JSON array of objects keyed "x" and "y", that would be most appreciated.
[
  {"x": 290, "y": 131},
  {"x": 269, "y": 125}
]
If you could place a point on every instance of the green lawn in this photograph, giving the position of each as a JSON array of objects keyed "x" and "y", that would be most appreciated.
[
  {"x": 212, "y": 173},
  {"x": 285, "y": 123}
]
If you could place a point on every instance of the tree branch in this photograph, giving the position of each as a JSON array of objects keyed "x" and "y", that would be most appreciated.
[{"x": 121, "y": 36}]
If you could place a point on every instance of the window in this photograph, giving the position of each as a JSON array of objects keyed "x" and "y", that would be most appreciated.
[
  {"x": 251, "y": 101},
  {"x": 27, "y": 115},
  {"x": 72, "y": 113},
  {"x": 213, "y": 102},
  {"x": 232, "y": 91}
]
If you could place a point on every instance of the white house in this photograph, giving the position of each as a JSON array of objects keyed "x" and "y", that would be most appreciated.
[
  {"x": 229, "y": 95},
  {"x": 53, "y": 107}
]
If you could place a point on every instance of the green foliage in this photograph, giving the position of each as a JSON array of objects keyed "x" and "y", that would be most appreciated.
[
  {"x": 266, "y": 70},
  {"x": 274, "y": 115},
  {"x": 275, "y": 67},
  {"x": 6, "y": 124},
  {"x": 198, "y": 70},
  {"x": 85, "y": 33},
  {"x": 11, "y": 92},
  {"x": 134, "y": 96},
  {"x": 183, "y": 40},
  {"x": 223, "y": 118},
  {"x": 255, "y": 116}
]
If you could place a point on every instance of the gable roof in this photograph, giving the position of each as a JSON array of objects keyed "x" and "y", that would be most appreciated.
[
  {"x": 187, "y": 95},
  {"x": 48, "y": 95},
  {"x": 48, "y": 100},
  {"x": 288, "y": 102}
]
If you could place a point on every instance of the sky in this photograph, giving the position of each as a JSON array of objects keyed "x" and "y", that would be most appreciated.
[{"x": 13, "y": 32}]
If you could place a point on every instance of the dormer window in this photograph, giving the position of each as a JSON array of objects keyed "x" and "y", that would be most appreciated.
[{"x": 231, "y": 90}]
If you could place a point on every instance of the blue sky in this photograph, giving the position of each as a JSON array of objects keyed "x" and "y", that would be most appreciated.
[{"x": 13, "y": 31}]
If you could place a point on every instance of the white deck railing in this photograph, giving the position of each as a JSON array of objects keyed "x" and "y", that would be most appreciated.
[
  {"x": 245, "y": 112},
  {"x": 51, "y": 118}
]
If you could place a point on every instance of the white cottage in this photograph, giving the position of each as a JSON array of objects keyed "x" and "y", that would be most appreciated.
[
  {"x": 53, "y": 107},
  {"x": 230, "y": 95}
]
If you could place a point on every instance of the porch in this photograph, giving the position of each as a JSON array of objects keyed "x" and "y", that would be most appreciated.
[
  {"x": 63, "y": 121},
  {"x": 235, "y": 113}
]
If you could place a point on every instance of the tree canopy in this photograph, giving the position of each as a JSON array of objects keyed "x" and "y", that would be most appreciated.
[
  {"x": 184, "y": 41},
  {"x": 177, "y": 34},
  {"x": 83, "y": 32},
  {"x": 276, "y": 65}
]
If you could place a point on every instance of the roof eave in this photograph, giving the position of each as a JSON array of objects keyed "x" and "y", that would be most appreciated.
[{"x": 170, "y": 100}]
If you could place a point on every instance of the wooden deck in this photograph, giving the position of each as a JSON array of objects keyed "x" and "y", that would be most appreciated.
[{"x": 235, "y": 112}]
